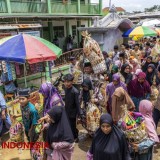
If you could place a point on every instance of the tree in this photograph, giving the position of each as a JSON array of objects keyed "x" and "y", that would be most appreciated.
[{"x": 153, "y": 9}]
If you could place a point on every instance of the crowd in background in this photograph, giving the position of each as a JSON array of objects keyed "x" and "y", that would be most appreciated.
[{"x": 132, "y": 78}]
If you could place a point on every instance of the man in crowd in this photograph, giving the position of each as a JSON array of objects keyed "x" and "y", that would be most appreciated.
[
  {"x": 115, "y": 55},
  {"x": 72, "y": 104},
  {"x": 136, "y": 52},
  {"x": 72, "y": 66},
  {"x": 147, "y": 49}
]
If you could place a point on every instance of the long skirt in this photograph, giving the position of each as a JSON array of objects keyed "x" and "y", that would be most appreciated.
[{"x": 61, "y": 151}]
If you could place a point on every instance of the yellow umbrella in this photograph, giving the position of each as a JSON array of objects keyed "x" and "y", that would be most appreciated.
[{"x": 139, "y": 32}]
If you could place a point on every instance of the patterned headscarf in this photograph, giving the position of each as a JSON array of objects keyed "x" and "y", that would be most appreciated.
[{"x": 51, "y": 96}]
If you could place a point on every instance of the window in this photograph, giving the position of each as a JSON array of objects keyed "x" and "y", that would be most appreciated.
[
  {"x": 74, "y": 30},
  {"x": 82, "y": 25},
  {"x": 59, "y": 31}
]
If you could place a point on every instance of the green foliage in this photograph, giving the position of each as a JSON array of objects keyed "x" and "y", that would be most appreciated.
[{"x": 153, "y": 9}]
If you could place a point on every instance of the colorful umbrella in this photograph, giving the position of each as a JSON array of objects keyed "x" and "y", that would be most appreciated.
[
  {"x": 140, "y": 31},
  {"x": 24, "y": 47}
]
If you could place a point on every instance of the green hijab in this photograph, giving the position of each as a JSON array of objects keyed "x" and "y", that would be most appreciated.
[{"x": 114, "y": 69}]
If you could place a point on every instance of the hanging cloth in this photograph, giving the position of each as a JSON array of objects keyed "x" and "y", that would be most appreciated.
[
  {"x": 9, "y": 71},
  {"x": 32, "y": 68},
  {"x": 4, "y": 67},
  {"x": 18, "y": 72},
  {"x": 13, "y": 71},
  {"x": 41, "y": 67}
]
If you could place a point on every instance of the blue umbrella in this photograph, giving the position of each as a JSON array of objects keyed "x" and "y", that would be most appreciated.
[{"x": 126, "y": 34}]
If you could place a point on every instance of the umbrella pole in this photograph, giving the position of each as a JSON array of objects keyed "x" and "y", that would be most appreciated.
[{"x": 25, "y": 80}]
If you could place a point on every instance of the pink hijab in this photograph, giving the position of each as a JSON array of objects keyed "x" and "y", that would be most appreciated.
[
  {"x": 136, "y": 73},
  {"x": 145, "y": 108},
  {"x": 135, "y": 65}
]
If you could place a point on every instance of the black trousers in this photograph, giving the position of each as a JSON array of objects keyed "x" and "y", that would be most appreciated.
[{"x": 73, "y": 125}]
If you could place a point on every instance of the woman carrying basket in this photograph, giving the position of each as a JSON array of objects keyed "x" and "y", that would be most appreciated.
[{"x": 144, "y": 149}]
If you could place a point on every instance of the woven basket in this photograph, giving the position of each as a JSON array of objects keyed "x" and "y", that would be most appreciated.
[
  {"x": 77, "y": 76},
  {"x": 136, "y": 134},
  {"x": 93, "y": 54},
  {"x": 17, "y": 132},
  {"x": 93, "y": 117}
]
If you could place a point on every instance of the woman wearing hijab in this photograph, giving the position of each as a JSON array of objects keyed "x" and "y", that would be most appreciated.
[
  {"x": 111, "y": 87},
  {"x": 151, "y": 73},
  {"x": 145, "y": 65},
  {"x": 136, "y": 73},
  {"x": 85, "y": 97},
  {"x": 86, "y": 91},
  {"x": 126, "y": 72},
  {"x": 51, "y": 96},
  {"x": 114, "y": 70},
  {"x": 59, "y": 137},
  {"x": 109, "y": 142},
  {"x": 135, "y": 64},
  {"x": 158, "y": 76},
  {"x": 51, "y": 99},
  {"x": 139, "y": 89},
  {"x": 144, "y": 149},
  {"x": 120, "y": 97},
  {"x": 99, "y": 97}
]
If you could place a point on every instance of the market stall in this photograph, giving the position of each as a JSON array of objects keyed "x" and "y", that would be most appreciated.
[{"x": 22, "y": 51}]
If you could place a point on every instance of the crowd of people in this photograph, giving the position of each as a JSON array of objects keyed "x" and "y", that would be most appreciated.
[{"x": 132, "y": 78}]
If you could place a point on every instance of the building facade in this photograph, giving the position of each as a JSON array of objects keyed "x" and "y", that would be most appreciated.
[
  {"x": 57, "y": 17},
  {"x": 108, "y": 30}
]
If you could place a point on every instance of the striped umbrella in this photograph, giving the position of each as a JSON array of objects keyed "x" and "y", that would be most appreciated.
[
  {"x": 140, "y": 31},
  {"x": 24, "y": 47}
]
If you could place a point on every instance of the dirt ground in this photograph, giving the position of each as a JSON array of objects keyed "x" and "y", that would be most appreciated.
[{"x": 79, "y": 153}]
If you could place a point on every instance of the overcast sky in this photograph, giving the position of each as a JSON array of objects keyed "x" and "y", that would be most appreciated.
[{"x": 131, "y": 5}]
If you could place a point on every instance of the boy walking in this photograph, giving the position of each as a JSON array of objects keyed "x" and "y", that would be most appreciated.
[
  {"x": 29, "y": 113},
  {"x": 72, "y": 104}
]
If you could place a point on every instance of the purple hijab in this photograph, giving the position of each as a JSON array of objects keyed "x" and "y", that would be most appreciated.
[
  {"x": 111, "y": 87},
  {"x": 51, "y": 96}
]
